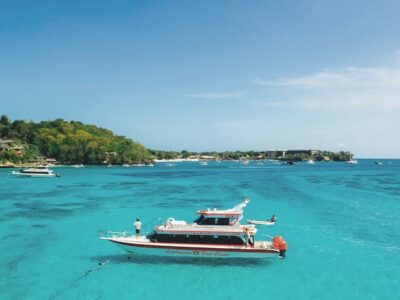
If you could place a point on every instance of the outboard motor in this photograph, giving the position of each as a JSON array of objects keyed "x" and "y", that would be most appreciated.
[{"x": 281, "y": 245}]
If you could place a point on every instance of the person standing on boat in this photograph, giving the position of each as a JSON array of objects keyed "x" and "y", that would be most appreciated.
[{"x": 138, "y": 226}]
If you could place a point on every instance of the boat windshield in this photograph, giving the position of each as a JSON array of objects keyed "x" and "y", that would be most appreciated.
[{"x": 202, "y": 220}]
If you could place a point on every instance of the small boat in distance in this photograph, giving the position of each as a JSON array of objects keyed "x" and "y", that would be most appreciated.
[
  {"x": 41, "y": 171},
  {"x": 78, "y": 166},
  {"x": 138, "y": 165},
  {"x": 215, "y": 233},
  {"x": 352, "y": 162},
  {"x": 311, "y": 162},
  {"x": 378, "y": 162},
  {"x": 261, "y": 222},
  {"x": 204, "y": 163}
]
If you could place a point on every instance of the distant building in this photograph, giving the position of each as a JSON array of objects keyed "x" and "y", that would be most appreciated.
[
  {"x": 8, "y": 145},
  {"x": 206, "y": 157},
  {"x": 52, "y": 161},
  {"x": 308, "y": 152},
  {"x": 4, "y": 147},
  {"x": 6, "y": 142},
  {"x": 273, "y": 154}
]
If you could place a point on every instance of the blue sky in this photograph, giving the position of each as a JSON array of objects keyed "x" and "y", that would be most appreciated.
[{"x": 209, "y": 75}]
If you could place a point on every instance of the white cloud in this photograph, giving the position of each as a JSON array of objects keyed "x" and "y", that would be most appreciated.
[
  {"x": 270, "y": 103},
  {"x": 340, "y": 78},
  {"x": 342, "y": 89},
  {"x": 218, "y": 95}
]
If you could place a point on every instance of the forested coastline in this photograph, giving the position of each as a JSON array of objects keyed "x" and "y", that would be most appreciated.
[
  {"x": 68, "y": 142},
  {"x": 72, "y": 142}
]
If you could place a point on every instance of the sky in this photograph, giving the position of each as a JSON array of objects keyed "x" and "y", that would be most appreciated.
[{"x": 210, "y": 75}]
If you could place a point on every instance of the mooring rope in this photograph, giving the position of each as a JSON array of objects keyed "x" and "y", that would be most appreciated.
[{"x": 83, "y": 275}]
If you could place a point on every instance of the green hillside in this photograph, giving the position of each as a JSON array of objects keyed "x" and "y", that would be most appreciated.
[{"x": 68, "y": 142}]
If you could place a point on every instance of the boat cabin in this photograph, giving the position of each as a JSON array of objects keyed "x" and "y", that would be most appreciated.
[
  {"x": 218, "y": 217},
  {"x": 196, "y": 239}
]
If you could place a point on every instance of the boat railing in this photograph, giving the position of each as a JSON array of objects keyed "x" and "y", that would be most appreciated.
[
  {"x": 149, "y": 226},
  {"x": 268, "y": 236},
  {"x": 210, "y": 227}
]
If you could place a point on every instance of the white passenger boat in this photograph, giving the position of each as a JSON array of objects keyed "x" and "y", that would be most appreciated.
[
  {"x": 215, "y": 233},
  {"x": 352, "y": 162},
  {"x": 78, "y": 166},
  {"x": 41, "y": 171},
  {"x": 138, "y": 165}
]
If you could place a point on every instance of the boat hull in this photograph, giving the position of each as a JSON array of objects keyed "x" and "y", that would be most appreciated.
[
  {"x": 18, "y": 174},
  {"x": 191, "y": 250}
]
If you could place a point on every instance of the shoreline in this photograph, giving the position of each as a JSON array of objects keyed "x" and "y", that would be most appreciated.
[{"x": 176, "y": 160}]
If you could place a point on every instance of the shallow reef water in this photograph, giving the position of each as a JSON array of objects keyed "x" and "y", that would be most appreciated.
[{"x": 341, "y": 223}]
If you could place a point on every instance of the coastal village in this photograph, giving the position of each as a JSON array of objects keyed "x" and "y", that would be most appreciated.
[{"x": 10, "y": 148}]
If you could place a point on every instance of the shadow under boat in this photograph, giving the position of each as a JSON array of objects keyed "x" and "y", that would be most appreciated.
[{"x": 143, "y": 259}]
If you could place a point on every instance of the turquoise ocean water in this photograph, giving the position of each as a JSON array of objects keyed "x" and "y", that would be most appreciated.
[{"x": 341, "y": 222}]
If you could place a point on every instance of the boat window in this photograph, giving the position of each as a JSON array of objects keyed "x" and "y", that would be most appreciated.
[
  {"x": 212, "y": 221},
  {"x": 196, "y": 239}
]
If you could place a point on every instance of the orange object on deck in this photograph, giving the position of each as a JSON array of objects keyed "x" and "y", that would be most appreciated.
[{"x": 279, "y": 243}]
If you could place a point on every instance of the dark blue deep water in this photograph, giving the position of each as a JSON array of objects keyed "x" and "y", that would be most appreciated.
[{"x": 341, "y": 222}]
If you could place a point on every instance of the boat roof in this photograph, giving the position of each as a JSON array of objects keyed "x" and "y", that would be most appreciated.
[{"x": 232, "y": 212}]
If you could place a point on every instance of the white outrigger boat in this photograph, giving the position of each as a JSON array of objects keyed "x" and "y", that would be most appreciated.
[
  {"x": 78, "y": 166},
  {"x": 216, "y": 233},
  {"x": 261, "y": 222},
  {"x": 352, "y": 162},
  {"x": 41, "y": 171}
]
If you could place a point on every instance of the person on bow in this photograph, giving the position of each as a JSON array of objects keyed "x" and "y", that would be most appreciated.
[{"x": 138, "y": 226}]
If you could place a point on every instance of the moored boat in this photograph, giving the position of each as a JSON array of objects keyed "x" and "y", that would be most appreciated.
[
  {"x": 261, "y": 222},
  {"x": 215, "y": 233},
  {"x": 41, "y": 171},
  {"x": 352, "y": 162},
  {"x": 78, "y": 166}
]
